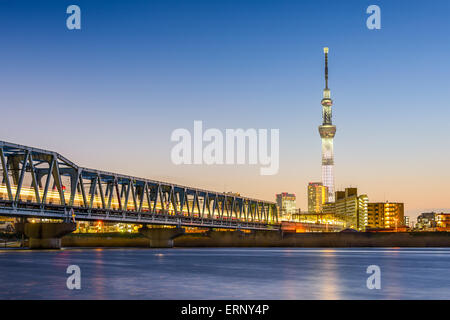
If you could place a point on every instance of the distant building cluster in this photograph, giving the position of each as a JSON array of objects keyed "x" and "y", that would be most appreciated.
[{"x": 350, "y": 210}]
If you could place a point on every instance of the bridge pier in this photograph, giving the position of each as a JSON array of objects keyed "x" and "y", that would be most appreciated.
[
  {"x": 161, "y": 237},
  {"x": 45, "y": 235}
]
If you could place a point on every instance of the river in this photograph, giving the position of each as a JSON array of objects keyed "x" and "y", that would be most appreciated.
[{"x": 226, "y": 273}]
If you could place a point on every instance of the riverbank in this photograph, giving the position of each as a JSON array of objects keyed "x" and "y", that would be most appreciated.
[{"x": 269, "y": 239}]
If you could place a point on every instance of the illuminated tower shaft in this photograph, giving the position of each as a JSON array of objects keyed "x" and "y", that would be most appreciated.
[{"x": 327, "y": 131}]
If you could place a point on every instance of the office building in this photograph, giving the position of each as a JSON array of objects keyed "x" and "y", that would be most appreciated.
[
  {"x": 287, "y": 205},
  {"x": 317, "y": 196}
]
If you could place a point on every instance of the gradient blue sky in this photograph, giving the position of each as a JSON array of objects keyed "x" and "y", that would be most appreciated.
[{"x": 108, "y": 96}]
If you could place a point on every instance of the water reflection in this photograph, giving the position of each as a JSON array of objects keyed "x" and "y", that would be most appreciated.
[
  {"x": 329, "y": 286},
  {"x": 98, "y": 278}
]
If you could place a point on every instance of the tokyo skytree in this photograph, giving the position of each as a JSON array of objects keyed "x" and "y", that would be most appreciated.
[{"x": 327, "y": 131}]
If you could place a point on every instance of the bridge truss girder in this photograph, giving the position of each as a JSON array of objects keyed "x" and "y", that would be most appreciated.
[{"x": 94, "y": 194}]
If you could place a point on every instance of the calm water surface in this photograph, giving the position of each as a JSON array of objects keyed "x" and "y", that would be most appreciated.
[{"x": 226, "y": 273}]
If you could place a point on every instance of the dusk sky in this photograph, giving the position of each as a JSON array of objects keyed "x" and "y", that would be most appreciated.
[{"x": 109, "y": 96}]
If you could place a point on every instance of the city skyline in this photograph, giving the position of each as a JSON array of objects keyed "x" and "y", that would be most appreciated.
[{"x": 387, "y": 90}]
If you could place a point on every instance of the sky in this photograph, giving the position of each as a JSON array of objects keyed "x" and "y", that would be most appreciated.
[{"x": 109, "y": 96}]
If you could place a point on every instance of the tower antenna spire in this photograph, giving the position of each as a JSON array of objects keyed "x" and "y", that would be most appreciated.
[{"x": 325, "y": 50}]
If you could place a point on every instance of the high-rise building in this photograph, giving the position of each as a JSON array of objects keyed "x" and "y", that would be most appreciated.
[
  {"x": 385, "y": 215},
  {"x": 287, "y": 205},
  {"x": 350, "y": 208},
  {"x": 317, "y": 196},
  {"x": 327, "y": 131}
]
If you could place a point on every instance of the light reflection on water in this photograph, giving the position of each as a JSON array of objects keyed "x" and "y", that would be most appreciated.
[{"x": 226, "y": 273}]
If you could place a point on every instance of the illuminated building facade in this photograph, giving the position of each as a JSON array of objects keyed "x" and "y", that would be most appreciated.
[
  {"x": 327, "y": 131},
  {"x": 385, "y": 215},
  {"x": 350, "y": 208},
  {"x": 363, "y": 212},
  {"x": 317, "y": 196},
  {"x": 329, "y": 219},
  {"x": 301, "y": 227},
  {"x": 287, "y": 205},
  {"x": 443, "y": 222}
]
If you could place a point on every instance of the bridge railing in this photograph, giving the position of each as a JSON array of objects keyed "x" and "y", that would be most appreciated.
[{"x": 41, "y": 177}]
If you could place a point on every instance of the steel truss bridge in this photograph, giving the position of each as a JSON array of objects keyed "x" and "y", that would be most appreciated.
[{"x": 43, "y": 184}]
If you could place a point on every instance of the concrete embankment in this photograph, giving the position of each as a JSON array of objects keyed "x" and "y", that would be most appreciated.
[
  {"x": 104, "y": 240},
  {"x": 268, "y": 239}
]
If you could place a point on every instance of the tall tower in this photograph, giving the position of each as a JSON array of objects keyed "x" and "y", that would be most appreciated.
[{"x": 327, "y": 131}]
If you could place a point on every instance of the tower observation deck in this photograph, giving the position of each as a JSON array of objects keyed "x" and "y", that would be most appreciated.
[{"x": 327, "y": 131}]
